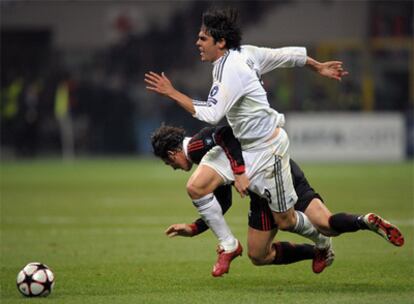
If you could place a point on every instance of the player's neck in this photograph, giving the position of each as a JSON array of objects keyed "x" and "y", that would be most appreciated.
[{"x": 220, "y": 54}]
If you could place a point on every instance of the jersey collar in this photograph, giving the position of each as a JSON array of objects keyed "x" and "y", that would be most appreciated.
[
  {"x": 221, "y": 57},
  {"x": 186, "y": 140}
]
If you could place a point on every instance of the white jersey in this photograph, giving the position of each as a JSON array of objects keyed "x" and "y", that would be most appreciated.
[{"x": 238, "y": 94}]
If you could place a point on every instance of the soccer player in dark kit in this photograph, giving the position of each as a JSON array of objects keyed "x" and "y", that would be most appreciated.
[{"x": 181, "y": 152}]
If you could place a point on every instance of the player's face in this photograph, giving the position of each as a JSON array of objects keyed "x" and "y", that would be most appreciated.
[
  {"x": 178, "y": 160},
  {"x": 210, "y": 51}
]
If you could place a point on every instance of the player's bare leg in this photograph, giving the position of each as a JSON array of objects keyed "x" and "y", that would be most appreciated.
[
  {"x": 264, "y": 251},
  {"x": 319, "y": 215},
  {"x": 200, "y": 188},
  {"x": 259, "y": 245},
  {"x": 336, "y": 224},
  {"x": 298, "y": 222}
]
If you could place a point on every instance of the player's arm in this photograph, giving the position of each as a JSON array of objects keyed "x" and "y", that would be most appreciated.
[
  {"x": 268, "y": 59},
  {"x": 287, "y": 57},
  {"x": 222, "y": 96},
  {"x": 222, "y": 136},
  {"x": 162, "y": 85},
  {"x": 330, "y": 69},
  {"x": 180, "y": 230},
  {"x": 225, "y": 138}
]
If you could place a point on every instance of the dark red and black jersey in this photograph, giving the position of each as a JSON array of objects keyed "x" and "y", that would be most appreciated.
[
  {"x": 223, "y": 136},
  {"x": 260, "y": 215}
]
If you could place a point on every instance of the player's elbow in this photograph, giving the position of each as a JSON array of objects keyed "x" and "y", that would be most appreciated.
[
  {"x": 210, "y": 117},
  {"x": 213, "y": 120}
]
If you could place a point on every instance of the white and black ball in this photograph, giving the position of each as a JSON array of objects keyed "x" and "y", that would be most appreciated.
[{"x": 35, "y": 279}]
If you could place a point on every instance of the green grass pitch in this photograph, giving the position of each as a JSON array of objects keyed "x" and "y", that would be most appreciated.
[{"x": 99, "y": 224}]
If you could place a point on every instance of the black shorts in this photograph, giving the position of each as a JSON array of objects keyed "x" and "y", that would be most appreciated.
[{"x": 260, "y": 215}]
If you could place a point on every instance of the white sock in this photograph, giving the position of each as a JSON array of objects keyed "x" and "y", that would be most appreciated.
[
  {"x": 305, "y": 228},
  {"x": 210, "y": 211}
]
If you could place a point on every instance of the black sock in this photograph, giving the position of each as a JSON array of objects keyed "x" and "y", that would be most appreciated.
[
  {"x": 287, "y": 253},
  {"x": 344, "y": 222}
]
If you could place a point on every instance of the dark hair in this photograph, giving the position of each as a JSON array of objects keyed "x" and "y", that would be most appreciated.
[
  {"x": 167, "y": 138},
  {"x": 222, "y": 24}
]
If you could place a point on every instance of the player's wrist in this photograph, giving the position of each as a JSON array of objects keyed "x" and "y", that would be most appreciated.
[
  {"x": 239, "y": 170},
  {"x": 194, "y": 229},
  {"x": 313, "y": 64}
]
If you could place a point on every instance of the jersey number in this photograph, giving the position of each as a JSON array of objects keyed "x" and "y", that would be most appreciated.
[{"x": 268, "y": 196}]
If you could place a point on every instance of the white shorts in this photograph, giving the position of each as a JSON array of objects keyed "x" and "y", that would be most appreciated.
[{"x": 268, "y": 170}]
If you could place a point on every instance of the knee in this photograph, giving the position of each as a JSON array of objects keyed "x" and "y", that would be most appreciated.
[
  {"x": 256, "y": 258},
  {"x": 286, "y": 221},
  {"x": 195, "y": 191},
  {"x": 286, "y": 224}
]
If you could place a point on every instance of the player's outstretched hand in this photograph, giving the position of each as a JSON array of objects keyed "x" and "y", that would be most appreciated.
[
  {"x": 179, "y": 230},
  {"x": 332, "y": 69},
  {"x": 159, "y": 83},
  {"x": 241, "y": 183}
]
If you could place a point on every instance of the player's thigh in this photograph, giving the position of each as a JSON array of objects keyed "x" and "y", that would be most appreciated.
[
  {"x": 203, "y": 181},
  {"x": 217, "y": 160},
  {"x": 319, "y": 216},
  {"x": 271, "y": 176},
  {"x": 275, "y": 183}
]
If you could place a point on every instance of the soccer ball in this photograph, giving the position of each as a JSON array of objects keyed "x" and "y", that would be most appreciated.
[{"x": 35, "y": 279}]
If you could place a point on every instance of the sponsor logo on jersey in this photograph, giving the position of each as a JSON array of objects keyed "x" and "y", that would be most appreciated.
[
  {"x": 209, "y": 141},
  {"x": 214, "y": 90}
]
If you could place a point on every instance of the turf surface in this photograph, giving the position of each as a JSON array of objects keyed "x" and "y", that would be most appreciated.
[{"x": 99, "y": 225}]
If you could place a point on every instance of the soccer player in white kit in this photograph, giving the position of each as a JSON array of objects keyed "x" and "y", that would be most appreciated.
[{"x": 237, "y": 94}]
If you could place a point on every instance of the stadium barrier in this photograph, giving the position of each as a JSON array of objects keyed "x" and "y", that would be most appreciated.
[{"x": 347, "y": 136}]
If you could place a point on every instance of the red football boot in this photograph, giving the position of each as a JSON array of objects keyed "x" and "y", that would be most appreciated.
[
  {"x": 323, "y": 258},
  {"x": 384, "y": 228},
  {"x": 224, "y": 259}
]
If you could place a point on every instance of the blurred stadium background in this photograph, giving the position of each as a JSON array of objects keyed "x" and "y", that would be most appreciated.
[{"x": 72, "y": 75}]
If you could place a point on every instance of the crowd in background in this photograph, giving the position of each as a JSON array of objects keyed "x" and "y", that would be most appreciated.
[{"x": 101, "y": 106}]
